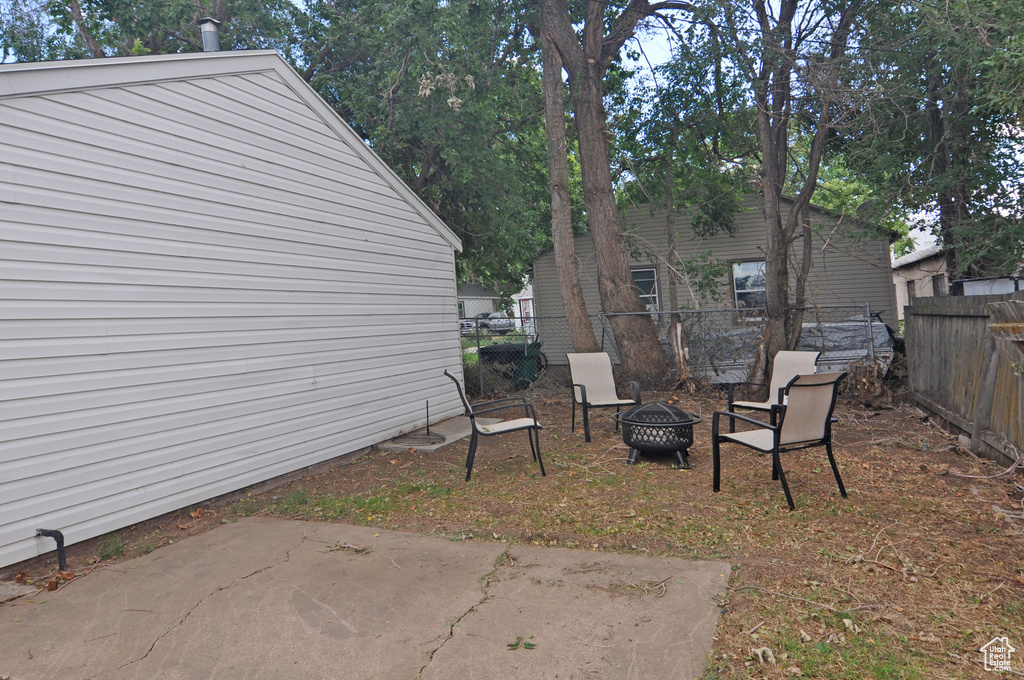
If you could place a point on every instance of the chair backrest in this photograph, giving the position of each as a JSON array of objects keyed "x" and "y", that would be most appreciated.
[
  {"x": 594, "y": 371},
  {"x": 810, "y": 401},
  {"x": 786, "y": 366},
  {"x": 462, "y": 396}
]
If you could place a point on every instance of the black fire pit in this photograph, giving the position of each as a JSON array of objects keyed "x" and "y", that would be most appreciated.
[{"x": 659, "y": 429}]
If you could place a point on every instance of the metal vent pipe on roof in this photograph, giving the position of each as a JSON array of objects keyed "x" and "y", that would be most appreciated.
[{"x": 209, "y": 26}]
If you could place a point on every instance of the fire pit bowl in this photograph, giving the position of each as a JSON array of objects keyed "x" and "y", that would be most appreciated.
[{"x": 659, "y": 429}]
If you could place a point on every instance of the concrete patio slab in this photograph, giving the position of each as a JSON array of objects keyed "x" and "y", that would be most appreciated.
[
  {"x": 451, "y": 430},
  {"x": 263, "y": 598}
]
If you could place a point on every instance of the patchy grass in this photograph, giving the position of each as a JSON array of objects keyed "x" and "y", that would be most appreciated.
[
  {"x": 903, "y": 580},
  {"x": 906, "y": 579},
  {"x": 110, "y": 548}
]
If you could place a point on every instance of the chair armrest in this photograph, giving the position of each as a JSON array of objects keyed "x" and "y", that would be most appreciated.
[
  {"x": 583, "y": 392},
  {"x": 635, "y": 388},
  {"x": 738, "y": 416}
]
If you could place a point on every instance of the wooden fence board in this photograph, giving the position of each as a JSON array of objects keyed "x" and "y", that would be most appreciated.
[{"x": 961, "y": 372}]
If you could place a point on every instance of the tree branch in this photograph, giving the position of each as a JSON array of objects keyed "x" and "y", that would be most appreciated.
[{"x": 83, "y": 30}]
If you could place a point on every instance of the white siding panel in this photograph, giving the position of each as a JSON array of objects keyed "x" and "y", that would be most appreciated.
[{"x": 201, "y": 287}]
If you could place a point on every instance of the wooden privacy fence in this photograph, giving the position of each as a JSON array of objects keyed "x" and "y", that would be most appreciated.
[{"x": 965, "y": 374}]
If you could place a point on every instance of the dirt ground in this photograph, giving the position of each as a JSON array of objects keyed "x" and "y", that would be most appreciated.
[{"x": 907, "y": 578}]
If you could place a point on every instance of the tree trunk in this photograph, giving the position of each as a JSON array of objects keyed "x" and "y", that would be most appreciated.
[
  {"x": 797, "y": 322},
  {"x": 675, "y": 326},
  {"x": 636, "y": 336},
  {"x": 773, "y": 96},
  {"x": 580, "y": 330}
]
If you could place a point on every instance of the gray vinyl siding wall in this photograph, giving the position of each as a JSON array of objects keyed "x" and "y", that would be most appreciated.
[
  {"x": 845, "y": 270},
  {"x": 204, "y": 284}
]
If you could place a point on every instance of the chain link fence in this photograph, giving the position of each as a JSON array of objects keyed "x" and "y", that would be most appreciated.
[{"x": 720, "y": 345}]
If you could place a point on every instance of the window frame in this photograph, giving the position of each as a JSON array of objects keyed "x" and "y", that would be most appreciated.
[
  {"x": 736, "y": 292},
  {"x": 656, "y": 289}
]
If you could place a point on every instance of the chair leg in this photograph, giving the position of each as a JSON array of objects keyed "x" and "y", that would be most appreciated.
[
  {"x": 616, "y": 420},
  {"x": 573, "y": 428},
  {"x": 533, "y": 449},
  {"x": 835, "y": 468},
  {"x": 472, "y": 455},
  {"x": 535, "y": 432},
  {"x": 777, "y": 467},
  {"x": 586, "y": 422},
  {"x": 716, "y": 465},
  {"x": 732, "y": 421}
]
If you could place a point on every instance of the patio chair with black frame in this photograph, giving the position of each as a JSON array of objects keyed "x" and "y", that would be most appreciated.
[
  {"x": 785, "y": 365},
  {"x": 528, "y": 422},
  {"x": 593, "y": 386},
  {"x": 802, "y": 421}
]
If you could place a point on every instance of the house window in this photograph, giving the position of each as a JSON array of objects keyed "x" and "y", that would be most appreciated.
[
  {"x": 939, "y": 285},
  {"x": 911, "y": 291},
  {"x": 462, "y": 309},
  {"x": 748, "y": 284},
  {"x": 646, "y": 282}
]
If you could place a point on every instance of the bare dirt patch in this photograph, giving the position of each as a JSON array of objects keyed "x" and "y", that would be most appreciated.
[{"x": 907, "y": 578}]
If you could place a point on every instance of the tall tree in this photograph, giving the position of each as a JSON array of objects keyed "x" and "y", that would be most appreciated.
[
  {"x": 680, "y": 137},
  {"x": 448, "y": 94},
  {"x": 580, "y": 329},
  {"x": 794, "y": 53},
  {"x": 586, "y": 59},
  {"x": 945, "y": 141}
]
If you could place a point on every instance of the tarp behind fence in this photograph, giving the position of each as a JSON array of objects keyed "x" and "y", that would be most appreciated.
[{"x": 721, "y": 344}]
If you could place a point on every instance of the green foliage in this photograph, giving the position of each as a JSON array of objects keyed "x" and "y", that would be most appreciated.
[
  {"x": 521, "y": 643},
  {"x": 139, "y": 49},
  {"x": 27, "y": 33},
  {"x": 704, "y": 274},
  {"x": 31, "y": 30},
  {"x": 691, "y": 111},
  {"x": 943, "y": 140},
  {"x": 852, "y": 199},
  {"x": 111, "y": 547},
  {"x": 146, "y": 547},
  {"x": 448, "y": 95}
]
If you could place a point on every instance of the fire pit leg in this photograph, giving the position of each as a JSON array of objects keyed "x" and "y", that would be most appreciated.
[
  {"x": 634, "y": 456},
  {"x": 683, "y": 456}
]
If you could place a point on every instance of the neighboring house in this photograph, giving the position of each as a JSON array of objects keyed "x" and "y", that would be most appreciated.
[
  {"x": 994, "y": 285},
  {"x": 207, "y": 281},
  {"x": 523, "y": 303},
  {"x": 922, "y": 273},
  {"x": 845, "y": 270},
  {"x": 476, "y": 299}
]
